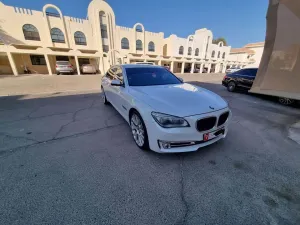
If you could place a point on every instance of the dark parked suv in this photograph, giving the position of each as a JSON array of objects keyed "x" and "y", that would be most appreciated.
[{"x": 242, "y": 79}]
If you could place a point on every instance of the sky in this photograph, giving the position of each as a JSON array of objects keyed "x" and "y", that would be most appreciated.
[{"x": 238, "y": 21}]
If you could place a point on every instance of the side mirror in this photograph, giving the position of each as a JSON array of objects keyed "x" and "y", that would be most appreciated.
[
  {"x": 181, "y": 79},
  {"x": 116, "y": 83}
]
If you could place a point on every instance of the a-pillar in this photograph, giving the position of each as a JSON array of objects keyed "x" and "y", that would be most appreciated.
[
  {"x": 182, "y": 67},
  {"x": 12, "y": 64},
  {"x": 77, "y": 65},
  {"x": 193, "y": 67},
  {"x": 48, "y": 65},
  {"x": 201, "y": 68},
  {"x": 172, "y": 67},
  {"x": 209, "y": 68}
]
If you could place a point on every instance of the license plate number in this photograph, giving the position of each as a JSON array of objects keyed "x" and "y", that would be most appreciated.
[{"x": 214, "y": 134}]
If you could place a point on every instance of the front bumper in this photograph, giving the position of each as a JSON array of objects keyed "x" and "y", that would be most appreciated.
[
  {"x": 185, "y": 139},
  {"x": 225, "y": 83}
]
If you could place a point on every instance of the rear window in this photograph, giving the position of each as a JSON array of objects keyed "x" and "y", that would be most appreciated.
[
  {"x": 63, "y": 63},
  {"x": 149, "y": 76}
]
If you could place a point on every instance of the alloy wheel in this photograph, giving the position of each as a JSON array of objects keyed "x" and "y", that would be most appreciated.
[
  {"x": 231, "y": 86},
  {"x": 286, "y": 101},
  {"x": 103, "y": 96},
  {"x": 137, "y": 130}
]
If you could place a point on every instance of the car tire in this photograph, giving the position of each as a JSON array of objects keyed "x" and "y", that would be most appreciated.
[
  {"x": 58, "y": 73},
  {"x": 286, "y": 101},
  {"x": 104, "y": 99},
  {"x": 231, "y": 86},
  {"x": 139, "y": 131}
]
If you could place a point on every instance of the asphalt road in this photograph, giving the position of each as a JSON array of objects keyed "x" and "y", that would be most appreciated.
[{"x": 65, "y": 158}]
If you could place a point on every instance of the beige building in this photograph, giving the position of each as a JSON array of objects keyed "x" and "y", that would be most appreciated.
[
  {"x": 248, "y": 56},
  {"x": 279, "y": 71},
  {"x": 35, "y": 40}
]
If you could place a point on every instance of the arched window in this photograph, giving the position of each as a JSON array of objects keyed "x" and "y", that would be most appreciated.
[
  {"x": 197, "y": 52},
  {"x": 139, "y": 45},
  {"x": 181, "y": 49},
  {"x": 151, "y": 47},
  {"x": 124, "y": 43},
  {"x": 79, "y": 38},
  {"x": 52, "y": 11},
  {"x": 190, "y": 51},
  {"x": 139, "y": 28},
  {"x": 103, "y": 24},
  {"x": 219, "y": 54},
  {"x": 104, "y": 31},
  {"x": 213, "y": 54},
  {"x": 57, "y": 35},
  {"x": 31, "y": 33},
  {"x": 223, "y": 55}
]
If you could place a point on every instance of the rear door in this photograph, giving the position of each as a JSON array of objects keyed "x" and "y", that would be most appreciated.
[
  {"x": 251, "y": 77},
  {"x": 239, "y": 77}
]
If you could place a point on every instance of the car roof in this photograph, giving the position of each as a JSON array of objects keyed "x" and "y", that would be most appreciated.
[{"x": 139, "y": 66}]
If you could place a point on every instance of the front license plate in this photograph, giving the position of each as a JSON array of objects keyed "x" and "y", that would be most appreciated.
[{"x": 214, "y": 134}]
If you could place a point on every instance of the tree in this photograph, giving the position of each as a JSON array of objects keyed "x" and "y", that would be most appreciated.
[{"x": 216, "y": 41}]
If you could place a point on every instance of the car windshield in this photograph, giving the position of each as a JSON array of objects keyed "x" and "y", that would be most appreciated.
[{"x": 149, "y": 76}]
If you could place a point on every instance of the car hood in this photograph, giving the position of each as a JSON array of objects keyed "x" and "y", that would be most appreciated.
[{"x": 179, "y": 99}]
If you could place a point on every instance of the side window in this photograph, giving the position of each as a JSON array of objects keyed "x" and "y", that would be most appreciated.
[
  {"x": 244, "y": 72},
  {"x": 111, "y": 73},
  {"x": 119, "y": 74}
]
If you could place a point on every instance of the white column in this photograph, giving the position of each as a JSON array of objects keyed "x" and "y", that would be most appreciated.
[
  {"x": 48, "y": 64},
  {"x": 217, "y": 68},
  {"x": 77, "y": 65},
  {"x": 172, "y": 67},
  {"x": 193, "y": 67},
  {"x": 182, "y": 67},
  {"x": 201, "y": 68},
  {"x": 159, "y": 62},
  {"x": 224, "y": 68},
  {"x": 209, "y": 67},
  {"x": 12, "y": 64}
]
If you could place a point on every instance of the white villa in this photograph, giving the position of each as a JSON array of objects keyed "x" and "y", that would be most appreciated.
[
  {"x": 37, "y": 39},
  {"x": 248, "y": 56}
]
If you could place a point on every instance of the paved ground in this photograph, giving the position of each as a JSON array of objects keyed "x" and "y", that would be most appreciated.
[{"x": 67, "y": 159}]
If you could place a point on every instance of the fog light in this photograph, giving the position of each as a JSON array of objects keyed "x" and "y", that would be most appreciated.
[{"x": 165, "y": 145}]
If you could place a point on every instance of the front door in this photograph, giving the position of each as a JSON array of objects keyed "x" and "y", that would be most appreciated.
[
  {"x": 120, "y": 95},
  {"x": 109, "y": 76}
]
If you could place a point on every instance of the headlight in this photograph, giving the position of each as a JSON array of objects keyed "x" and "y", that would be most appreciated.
[{"x": 168, "y": 121}]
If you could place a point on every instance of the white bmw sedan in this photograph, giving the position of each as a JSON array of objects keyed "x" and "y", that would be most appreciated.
[{"x": 165, "y": 114}]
